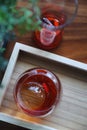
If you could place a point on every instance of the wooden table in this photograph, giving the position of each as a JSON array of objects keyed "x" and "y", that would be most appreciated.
[{"x": 74, "y": 44}]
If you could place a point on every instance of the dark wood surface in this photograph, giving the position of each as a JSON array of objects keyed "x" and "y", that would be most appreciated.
[
  {"x": 74, "y": 43},
  {"x": 8, "y": 126}
]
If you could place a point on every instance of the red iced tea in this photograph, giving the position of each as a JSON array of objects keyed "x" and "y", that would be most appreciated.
[
  {"x": 37, "y": 92},
  {"x": 47, "y": 38}
]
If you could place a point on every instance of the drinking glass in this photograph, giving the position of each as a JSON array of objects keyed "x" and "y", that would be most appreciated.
[
  {"x": 55, "y": 16},
  {"x": 37, "y": 92}
]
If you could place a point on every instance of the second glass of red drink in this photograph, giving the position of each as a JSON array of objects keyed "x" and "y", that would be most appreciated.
[{"x": 55, "y": 15}]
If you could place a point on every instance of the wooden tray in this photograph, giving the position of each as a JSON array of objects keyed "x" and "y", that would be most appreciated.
[{"x": 70, "y": 114}]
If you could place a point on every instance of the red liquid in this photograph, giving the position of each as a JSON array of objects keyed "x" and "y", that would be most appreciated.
[
  {"x": 48, "y": 39},
  {"x": 36, "y": 93}
]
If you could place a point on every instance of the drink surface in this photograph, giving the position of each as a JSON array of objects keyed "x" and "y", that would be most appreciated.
[{"x": 38, "y": 92}]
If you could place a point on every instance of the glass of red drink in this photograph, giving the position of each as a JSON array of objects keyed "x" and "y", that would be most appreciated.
[
  {"x": 55, "y": 15},
  {"x": 37, "y": 92}
]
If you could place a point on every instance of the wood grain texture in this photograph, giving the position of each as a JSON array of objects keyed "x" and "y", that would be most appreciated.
[
  {"x": 74, "y": 43},
  {"x": 70, "y": 114}
]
